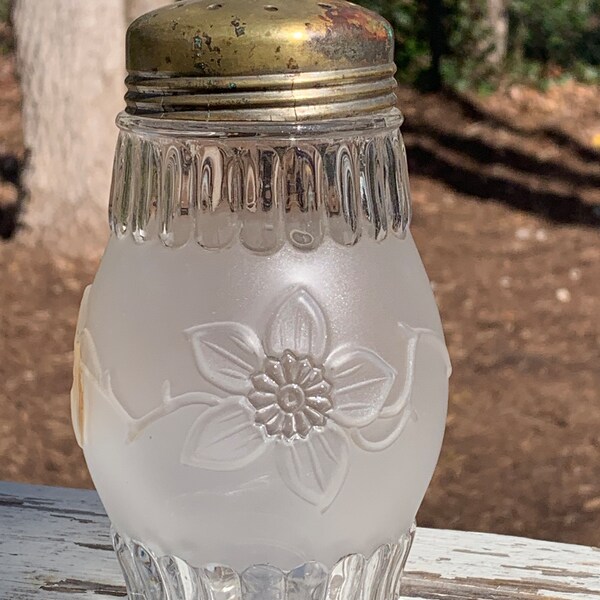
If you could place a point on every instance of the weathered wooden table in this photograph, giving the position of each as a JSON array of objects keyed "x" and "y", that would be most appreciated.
[{"x": 54, "y": 544}]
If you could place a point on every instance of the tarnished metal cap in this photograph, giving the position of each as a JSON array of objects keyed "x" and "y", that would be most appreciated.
[{"x": 260, "y": 60}]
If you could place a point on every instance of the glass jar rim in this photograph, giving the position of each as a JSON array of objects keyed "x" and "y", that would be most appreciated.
[
  {"x": 387, "y": 120},
  {"x": 175, "y": 180}
]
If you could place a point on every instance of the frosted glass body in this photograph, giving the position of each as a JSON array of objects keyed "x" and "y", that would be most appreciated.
[{"x": 145, "y": 301}]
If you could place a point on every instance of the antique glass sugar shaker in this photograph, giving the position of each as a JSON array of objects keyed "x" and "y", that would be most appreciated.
[{"x": 260, "y": 374}]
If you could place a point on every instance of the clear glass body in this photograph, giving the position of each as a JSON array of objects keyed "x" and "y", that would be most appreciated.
[{"x": 279, "y": 399}]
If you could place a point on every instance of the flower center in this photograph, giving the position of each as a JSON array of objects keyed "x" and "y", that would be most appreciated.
[{"x": 291, "y": 398}]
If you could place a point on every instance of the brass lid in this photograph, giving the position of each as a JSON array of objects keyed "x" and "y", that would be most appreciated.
[{"x": 260, "y": 60}]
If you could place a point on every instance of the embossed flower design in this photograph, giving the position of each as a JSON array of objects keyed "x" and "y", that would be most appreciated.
[{"x": 289, "y": 394}]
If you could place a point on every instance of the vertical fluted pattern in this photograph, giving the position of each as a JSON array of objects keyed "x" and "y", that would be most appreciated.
[
  {"x": 216, "y": 193},
  {"x": 354, "y": 577}
]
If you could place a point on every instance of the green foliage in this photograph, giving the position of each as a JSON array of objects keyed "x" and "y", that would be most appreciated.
[
  {"x": 409, "y": 20},
  {"x": 5, "y": 10},
  {"x": 466, "y": 65},
  {"x": 6, "y": 40},
  {"x": 446, "y": 40},
  {"x": 546, "y": 39},
  {"x": 588, "y": 47},
  {"x": 555, "y": 32}
]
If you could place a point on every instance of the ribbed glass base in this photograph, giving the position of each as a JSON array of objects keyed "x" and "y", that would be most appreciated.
[{"x": 353, "y": 577}]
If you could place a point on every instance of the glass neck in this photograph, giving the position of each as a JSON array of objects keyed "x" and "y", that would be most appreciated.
[{"x": 262, "y": 185}]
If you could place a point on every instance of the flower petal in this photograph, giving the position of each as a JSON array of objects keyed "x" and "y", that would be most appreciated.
[
  {"x": 223, "y": 438},
  {"x": 305, "y": 372},
  {"x": 291, "y": 367},
  {"x": 289, "y": 427},
  {"x": 227, "y": 354},
  {"x": 362, "y": 381},
  {"x": 320, "y": 403},
  {"x": 315, "y": 469},
  {"x": 261, "y": 399},
  {"x": 271, "y": 418},
  {"x": 300, "y": 326},
  {"x": 314, "y": 416},
  {"x": 303, "y": 425},
  {"x": 320, "y": 388},
  {"x": 274, "y": 371},
  {"x": 265, "y": 415},
  {"x": 311, "y": 377},
  {"x": 275, "y": 425},
  {"x": 263, "y": 383}
]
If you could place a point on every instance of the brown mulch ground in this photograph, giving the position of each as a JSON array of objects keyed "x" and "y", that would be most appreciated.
[
  {"x": 509, "y": 232},
  {"x": 507, "y": 219}
]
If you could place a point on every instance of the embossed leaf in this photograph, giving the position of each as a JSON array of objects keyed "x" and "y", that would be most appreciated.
[
  {"x": 77, "y": 392},
  {"x": 227, "y": 354},
  {"x": 83, "y": 311},
  {"x": 223, "y": 439},
  {"x": 89, "y": 356},
  {"x": 410, "y": 340},
  {"x": 315, "y": 469},
  {"x": 383, "y": 432},
  {"x": 77, "y": 396},
  {"x": 404, "y": 360},
  {"x": 85, "y": 348},
  {"x": 362, "y": 381},
  {"x": 300, "y": 326}
]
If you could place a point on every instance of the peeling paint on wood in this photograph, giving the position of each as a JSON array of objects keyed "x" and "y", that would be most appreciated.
[
  {"x": 105, "y": 547},
  {"x": 55, "y": 545},
  {"x": 74, "y": 586}
]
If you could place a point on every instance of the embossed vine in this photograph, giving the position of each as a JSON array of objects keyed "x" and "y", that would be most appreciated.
[{"x": 286, "y": 392}]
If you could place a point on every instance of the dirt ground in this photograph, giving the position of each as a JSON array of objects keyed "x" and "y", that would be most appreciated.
[{"x": 507, "y": 217}]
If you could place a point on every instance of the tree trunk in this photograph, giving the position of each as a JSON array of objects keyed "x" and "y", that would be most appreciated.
[
  {"x": 71, "y": 61},
  {"x": 437, "y": 43},
  {"x": 497, "y": 25},
  {"x": 135, "y": 8}
]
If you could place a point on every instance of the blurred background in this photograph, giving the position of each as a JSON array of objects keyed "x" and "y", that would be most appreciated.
[{"x": 502, "y": 107}]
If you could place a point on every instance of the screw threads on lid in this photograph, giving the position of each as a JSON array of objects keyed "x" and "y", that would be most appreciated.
[{"x": 250, "y": 61}]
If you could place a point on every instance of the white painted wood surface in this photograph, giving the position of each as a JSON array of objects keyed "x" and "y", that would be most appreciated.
[{"x": 54, "y": 545}]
